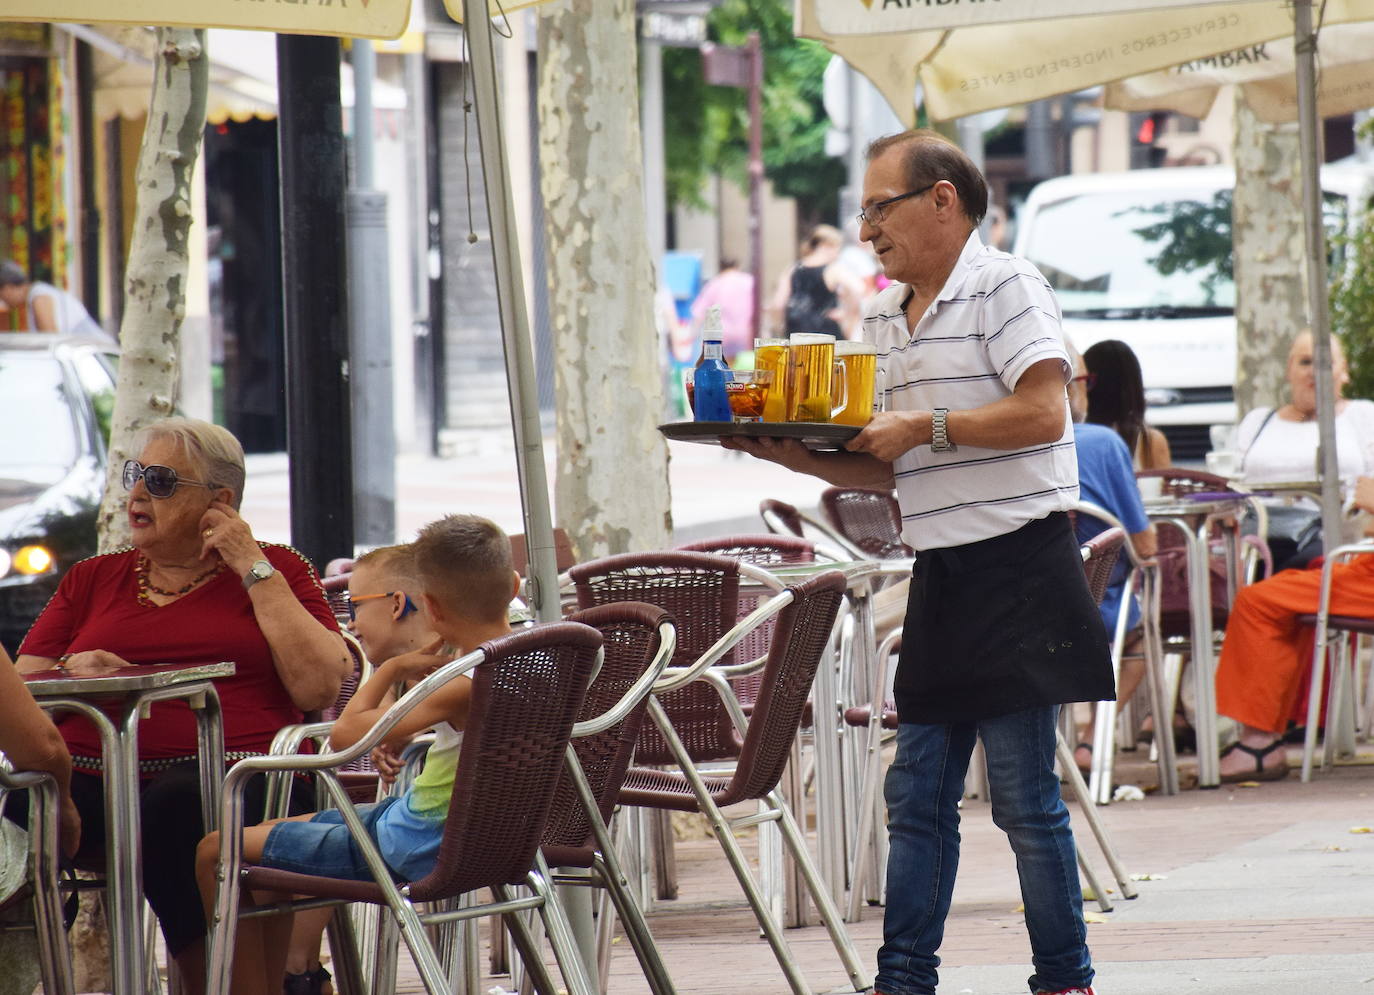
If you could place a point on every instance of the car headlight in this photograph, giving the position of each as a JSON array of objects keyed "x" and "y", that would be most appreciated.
[{"x": 32, "y": 560}]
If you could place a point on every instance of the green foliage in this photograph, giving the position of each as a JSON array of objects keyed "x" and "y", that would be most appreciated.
[
  {"x": 707, "y": 127},
  {"x": 1194, "y": 237},
  {"x": 1352, "y": 303}
]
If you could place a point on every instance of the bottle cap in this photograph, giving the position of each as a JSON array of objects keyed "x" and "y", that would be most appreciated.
[{"x": 712, "y": 328}]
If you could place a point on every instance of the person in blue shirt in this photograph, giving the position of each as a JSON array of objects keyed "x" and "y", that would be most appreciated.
[{"x": 1106, "y": 478}]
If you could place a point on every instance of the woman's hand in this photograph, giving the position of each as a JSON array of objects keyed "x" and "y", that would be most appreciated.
[
  {"x": 93, "y": 663},
  {"x": 226, "y": 535},
  {"x": 68, "y": 826},
  {"x": 417, "y": 664},
  {"x": 1364, "y": 494}
]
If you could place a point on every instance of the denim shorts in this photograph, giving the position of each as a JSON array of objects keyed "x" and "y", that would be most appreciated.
[{"x": 323, "y": 846}]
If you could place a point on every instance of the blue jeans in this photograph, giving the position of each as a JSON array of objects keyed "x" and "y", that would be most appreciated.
[{"x": 922, "y": 791}]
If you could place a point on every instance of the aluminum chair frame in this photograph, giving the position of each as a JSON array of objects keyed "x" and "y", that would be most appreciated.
[
  {"x": 1142, "y": 575},
  {"x": 773, "y": 807},
  {"x": 54, "y": 955},
  {"x": 1344, "y": 676},
  {"x": 397, "y": 898}
]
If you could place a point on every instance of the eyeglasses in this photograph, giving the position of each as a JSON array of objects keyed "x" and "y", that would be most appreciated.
[
  {"x": 1087, "y": 380},
  {"x": 351, "y": 601},
  {"x": 875, "y": 214},
  {"x": 160, "y": 480}
]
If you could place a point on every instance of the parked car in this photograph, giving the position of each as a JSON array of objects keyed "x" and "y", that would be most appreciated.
[
  {"x": 56, "y": 399},
  {"x": 1145, "y": 257}
]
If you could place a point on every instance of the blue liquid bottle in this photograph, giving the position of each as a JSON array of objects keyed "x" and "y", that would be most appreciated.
[{"x": 711, "y": 374}]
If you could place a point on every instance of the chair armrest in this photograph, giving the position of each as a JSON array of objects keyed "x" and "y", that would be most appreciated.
[
  {"x": 636, "y": 692},
  {"x": 288, "y": 739},
  {"x": 677, "y": 677}
]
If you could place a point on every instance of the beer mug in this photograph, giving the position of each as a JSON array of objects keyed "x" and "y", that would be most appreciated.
[
  {"x": 814, "y": 378},
  {"x": 771, "y": 354},
  {"x": 862, "y": 378}
]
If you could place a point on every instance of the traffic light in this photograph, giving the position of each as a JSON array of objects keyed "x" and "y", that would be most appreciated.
[{"x": 1146, "y": 129}]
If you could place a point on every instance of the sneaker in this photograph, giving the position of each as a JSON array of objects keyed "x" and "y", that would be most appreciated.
[{"x": 1067, "y": 991}]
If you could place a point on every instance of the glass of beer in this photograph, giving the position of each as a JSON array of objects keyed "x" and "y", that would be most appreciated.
[
  {"x": 771, "y": 354},
  {"x": 813, "y": 378},
  {"x": 860, "y": 363}
]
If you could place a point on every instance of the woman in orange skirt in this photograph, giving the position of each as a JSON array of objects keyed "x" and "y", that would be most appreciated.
[{"x": 1266, "y": 654}]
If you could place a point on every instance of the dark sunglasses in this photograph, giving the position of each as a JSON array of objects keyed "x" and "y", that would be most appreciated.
[
  {"x": 160, "y": 480},
  {"x": 351, "y": 602},
  {"x": 1088, "y": 380}
]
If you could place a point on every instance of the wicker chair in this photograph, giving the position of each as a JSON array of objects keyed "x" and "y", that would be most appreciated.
[
  {"x": 868, "y": 519},
  {"x": 527, "y": 690},
  {"x": 805, "y": 615},
  {"x": 785, "y": 519},
  {"x": 638, "y": 639}
]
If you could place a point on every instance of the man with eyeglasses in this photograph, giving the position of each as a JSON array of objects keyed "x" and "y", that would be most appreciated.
[{"x": 1000, "y": 627}]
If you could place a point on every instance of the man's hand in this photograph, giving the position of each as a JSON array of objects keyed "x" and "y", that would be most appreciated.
[
  {"x": 94, "y": 663},
  {"x": 891, "y": 434},
  {"x": 790, "y": 453}
]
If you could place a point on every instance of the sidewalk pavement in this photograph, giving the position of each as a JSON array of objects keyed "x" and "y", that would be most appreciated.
[{"x": 714, "y": 492}]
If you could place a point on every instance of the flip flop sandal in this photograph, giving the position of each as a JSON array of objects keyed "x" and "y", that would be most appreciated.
[{"x": 1261, "y": 773}]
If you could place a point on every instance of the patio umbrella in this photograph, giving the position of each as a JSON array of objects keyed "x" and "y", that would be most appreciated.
[
  {"x": 364, "y": 19},
  {"x": 1266, "y": 75},
  {"x": 971, "y": 57}
]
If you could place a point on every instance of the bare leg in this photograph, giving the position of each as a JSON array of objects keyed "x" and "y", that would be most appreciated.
[
  {"x": 1236, "y": 762},
  {"x": 260, "y": 951},
  {"x": 1132, "y": 673},
  {"x": 303, "y": 954}
]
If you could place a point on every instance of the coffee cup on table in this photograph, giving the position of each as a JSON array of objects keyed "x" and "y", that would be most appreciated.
[{"x": 1151, "y": 488}]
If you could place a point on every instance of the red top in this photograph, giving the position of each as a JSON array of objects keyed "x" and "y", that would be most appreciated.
[{"x": 96, "y": 607}]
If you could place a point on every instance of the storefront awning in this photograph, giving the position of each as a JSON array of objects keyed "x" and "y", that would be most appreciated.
[{"x": 243, "y": 73}]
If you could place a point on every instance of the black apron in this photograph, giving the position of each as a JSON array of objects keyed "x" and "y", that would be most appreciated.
[{"x": 1002, "y": 625}]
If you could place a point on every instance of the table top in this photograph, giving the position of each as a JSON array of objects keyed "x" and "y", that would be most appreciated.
[
  {"x": 1177, "y": 507},
  {"x": 1261, "y": 487},
  {"x": 126, "y": 680}
]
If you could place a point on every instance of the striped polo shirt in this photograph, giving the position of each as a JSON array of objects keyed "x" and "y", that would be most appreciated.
[{"x": 993, "y": 319}]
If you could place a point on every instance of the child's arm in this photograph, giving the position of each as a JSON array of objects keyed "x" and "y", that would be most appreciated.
[{"x": 371, "y": 701}]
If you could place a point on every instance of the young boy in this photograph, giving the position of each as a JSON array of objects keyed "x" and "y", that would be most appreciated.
[{"x": 466, "y": 583}]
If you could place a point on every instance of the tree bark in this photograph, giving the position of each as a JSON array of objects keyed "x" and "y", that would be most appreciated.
[
  {"x": 155, "y": 278},
  {"x": 612, "y": 479},
  {"x": 1271, "y": 280}
]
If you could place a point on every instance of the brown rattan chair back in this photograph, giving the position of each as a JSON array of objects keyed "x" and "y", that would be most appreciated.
[
  {"x": 761, "y": 551},
  {"x": 701, "y": 592},
  {"x": 1100, "y": 554},
  {"x": 870, "y": 519},
  {"x": 781, "y": 518},
  {"x": 526, "y": 696},
  {"x": 1175, "y": 617},
  {"x": 631, "y": 637},
  {"x": 336, "y": 593}
]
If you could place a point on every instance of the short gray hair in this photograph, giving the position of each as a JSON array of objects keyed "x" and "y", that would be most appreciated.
[
  {"x": 12, "y": 274},
  {"x": 216, "y": 452}
]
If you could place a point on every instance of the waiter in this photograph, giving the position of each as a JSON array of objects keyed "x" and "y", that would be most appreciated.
[{"x": 1000, "y": 626}]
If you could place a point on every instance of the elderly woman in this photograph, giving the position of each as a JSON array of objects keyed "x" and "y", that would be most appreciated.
[{"x": 195, "y": 586}]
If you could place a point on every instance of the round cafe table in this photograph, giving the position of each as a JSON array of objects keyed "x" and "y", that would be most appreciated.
[{"x": 114, "y": 704}]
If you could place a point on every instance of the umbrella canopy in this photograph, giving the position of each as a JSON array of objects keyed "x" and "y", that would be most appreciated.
[
  {"x": 975, "y": 57},
  {"x": 363, "y": 19},
  {"x": 1265, "y": 72}
]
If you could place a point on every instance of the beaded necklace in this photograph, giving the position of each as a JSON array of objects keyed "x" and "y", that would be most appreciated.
[{"x": 146, "y": 586}]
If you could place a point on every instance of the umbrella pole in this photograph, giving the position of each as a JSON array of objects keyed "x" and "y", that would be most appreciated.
[
  {"x": 1305, "y": 50},
  {"x": 542, "y": 571}
]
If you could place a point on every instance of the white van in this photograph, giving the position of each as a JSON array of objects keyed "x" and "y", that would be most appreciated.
[{"x": 1145, "y": 257}]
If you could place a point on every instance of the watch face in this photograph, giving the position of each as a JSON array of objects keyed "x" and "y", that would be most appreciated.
[{"x": 262, "y": 570}]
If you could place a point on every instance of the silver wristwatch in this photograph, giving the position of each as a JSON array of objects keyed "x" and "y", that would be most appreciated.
[
  {"x": 939, "y": 432},
  {"x": 260, "y": 570}
]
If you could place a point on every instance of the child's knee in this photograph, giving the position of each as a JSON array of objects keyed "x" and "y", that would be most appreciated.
[{"x": 207, "y": 856}]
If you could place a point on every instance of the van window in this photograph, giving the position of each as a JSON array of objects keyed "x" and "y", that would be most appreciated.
[{"x": 1143, "y": 253}]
